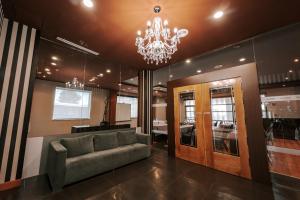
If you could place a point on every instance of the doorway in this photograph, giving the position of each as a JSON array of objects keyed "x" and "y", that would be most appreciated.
[{"x": 209, "y": 125}]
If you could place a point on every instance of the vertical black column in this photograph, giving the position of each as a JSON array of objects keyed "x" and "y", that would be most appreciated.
[{"x": 145, "y": 101}]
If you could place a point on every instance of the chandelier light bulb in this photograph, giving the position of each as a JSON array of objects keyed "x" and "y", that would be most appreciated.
[
  {"x": 166, "y": 22},
  {"x": 175, "y": 30},
  {"x": 139, "y": 33},
  {"x": 148, "y": 23}
]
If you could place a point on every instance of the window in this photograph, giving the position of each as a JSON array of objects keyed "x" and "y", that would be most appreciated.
[
  {"x": 190, "y": 110},
  {"x": 132, "y": 101},
  {"x": 70, "y": 104}
]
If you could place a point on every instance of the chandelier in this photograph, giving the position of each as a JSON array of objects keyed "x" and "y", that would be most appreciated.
[
  {"x": 75, "y": 84},
  {"x": 158, "y": 45}
]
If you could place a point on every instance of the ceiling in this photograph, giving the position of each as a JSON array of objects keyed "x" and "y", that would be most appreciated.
[
  {"x": 70, "y": 63},
  {"x": 110, "y": 27}
]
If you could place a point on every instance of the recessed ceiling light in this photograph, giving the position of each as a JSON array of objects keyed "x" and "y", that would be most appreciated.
[
  {"x": 242, "y": 59},
  {"x": 218, "y": 14},
  {"x": 53, "y": 63},
  {"x": 218, "y": 66},
  {"x": 291, "y": 71},
  {"x": 88, "y": 3},
  {"x": 187, "y": 61},
  {"x": 100, "y": 75},
  {"x": 54, "y": 58},
  {"x": 108, "y": 71},
  {"x": 47, "y": 70},
  {"x": 296, "y": 60},
  {"x": 199, "y": 71}
]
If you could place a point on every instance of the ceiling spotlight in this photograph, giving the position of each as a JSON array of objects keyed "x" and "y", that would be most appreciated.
[
  {"x": 88, "y": 3},
  {"x": 218, "y": 66},
  {"x": 296, "y": 60},
  {"x": 54, "y": 58},
  {"x": 218, "y": 14},
  {"x": 53, "y": 63},
  {"x": 187, "y": 61},
  {"x": 242, "y": 59},
  {"x": 291, "y": 71},
  {"x": 199, "y": 71},
  {"x": 47, "y": 70},
  {"x": 108, "y": 71},
  {"x": 100, "y": 75}
]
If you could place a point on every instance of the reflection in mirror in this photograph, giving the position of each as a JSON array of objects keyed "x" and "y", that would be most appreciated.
[
  {"x": 187, "y": 119},
  {"x": 224, "y": 125},
  {"x": 74, "y": 91}
]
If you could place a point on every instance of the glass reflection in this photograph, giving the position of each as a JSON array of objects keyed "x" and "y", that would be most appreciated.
[
  {"x": 187, "y": 119},
  {"x": 224, "y": 129}
]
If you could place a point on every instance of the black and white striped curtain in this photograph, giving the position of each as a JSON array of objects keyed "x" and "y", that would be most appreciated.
[{"x": 18, "y": 44}]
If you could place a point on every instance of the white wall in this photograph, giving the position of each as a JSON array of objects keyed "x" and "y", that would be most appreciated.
[{"x": 32, "y": 158}]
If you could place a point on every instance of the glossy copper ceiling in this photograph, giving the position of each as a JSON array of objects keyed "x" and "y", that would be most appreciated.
[{"x": 110, "y": 27}]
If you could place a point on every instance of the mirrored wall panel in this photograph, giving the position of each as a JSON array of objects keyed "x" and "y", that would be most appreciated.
[
  {"x": 188, "y": 135},
  {"x": 225, "y": 138}
]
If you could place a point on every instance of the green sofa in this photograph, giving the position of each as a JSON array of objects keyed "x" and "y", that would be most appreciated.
[{"x": 76, "y": 158}]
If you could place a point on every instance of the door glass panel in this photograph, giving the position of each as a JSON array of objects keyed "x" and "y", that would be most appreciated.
[
  {"x": 187, "y": 119},
  {"x": 225, "y": 138}
]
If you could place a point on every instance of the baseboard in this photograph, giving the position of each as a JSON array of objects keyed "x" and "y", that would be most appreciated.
[{"x": 10, "y": 185}]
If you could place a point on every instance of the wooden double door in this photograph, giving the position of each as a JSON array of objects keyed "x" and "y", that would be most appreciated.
[{"x": 210, "y": 126}]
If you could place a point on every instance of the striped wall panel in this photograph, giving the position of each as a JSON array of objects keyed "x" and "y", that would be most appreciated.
[
  {"x": 1, "y": 16},
  {"x": 18, "y": 44},
  {"x": 145, "y": 101}
]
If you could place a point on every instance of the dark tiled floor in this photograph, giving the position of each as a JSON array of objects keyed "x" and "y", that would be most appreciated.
[{"x": 160, "y": 177}]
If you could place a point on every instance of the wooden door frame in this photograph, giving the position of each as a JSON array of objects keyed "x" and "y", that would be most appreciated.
[{"x": 253, "y": 115}]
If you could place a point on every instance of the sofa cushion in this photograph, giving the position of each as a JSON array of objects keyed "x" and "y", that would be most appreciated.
[
  {"x": 126, "y": 137},
  {"x": 78, "y": 145},
  {"x": 84, "y": 166},
  {"x": 105, "y": 141}
]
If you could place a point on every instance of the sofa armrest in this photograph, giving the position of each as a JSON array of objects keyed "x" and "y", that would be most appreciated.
[
  {"x": 143, "y": 138},
  {"x": 57, "y": 165}
]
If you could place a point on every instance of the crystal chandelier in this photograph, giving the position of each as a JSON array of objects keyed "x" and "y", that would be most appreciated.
[
  {"x": 158, "y": 44},
  {"x": 75, "y": 84}
]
